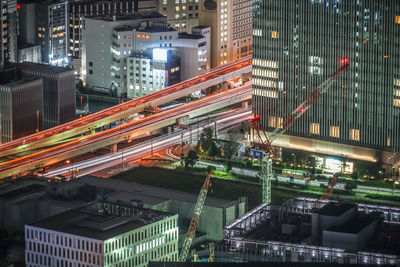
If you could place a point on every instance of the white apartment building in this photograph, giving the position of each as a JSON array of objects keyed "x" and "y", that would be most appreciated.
[
  {"x": 142, "y": 56},
  {"x": 102, "y": 234},
  {"x": 100, "y": 50},
  {"x": 182, "y": 15},
  {"x": 193, "y": 47}
]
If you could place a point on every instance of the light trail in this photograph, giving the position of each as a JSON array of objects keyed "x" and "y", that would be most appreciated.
[
  {"x": 55, "y": 154},
  {"x": 98, "y": 119}
]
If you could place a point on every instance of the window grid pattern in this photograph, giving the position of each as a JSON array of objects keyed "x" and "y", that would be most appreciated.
[{"x": 313, "y": 37}]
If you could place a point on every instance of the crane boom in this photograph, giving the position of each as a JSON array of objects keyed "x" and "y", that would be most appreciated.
[
  {"x": 266, "y": 161},
  {"x": 329, "y": 189},
  {"x": 195, "y": 219}
]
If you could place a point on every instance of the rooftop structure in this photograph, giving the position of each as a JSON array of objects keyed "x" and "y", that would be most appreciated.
[
  {"x": 98, "y": 232},
  {"x": 337, "y": 233}
]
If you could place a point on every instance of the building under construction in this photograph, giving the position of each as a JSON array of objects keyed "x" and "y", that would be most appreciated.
[{"x": 310, "y": 230}]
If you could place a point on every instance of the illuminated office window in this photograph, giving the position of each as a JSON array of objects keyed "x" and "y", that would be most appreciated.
[
  {"x": 334, "y": 131},
  {"x": 314, "y": 128},
  {"x": 354, "y": 134}
]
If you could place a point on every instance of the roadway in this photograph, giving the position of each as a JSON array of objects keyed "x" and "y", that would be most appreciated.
[
  {"x": 124, "y": 132},
  {"x": 156, "y": 145},
  {"x": 123, "y": 110}
]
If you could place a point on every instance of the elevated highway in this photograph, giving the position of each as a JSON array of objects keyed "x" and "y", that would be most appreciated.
[
  {"x": 124, "y": 132},
  {"x": 89, "y": 123}
]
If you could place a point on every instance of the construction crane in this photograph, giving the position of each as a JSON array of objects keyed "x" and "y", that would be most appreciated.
[
  {"x": 265, "y": 150},
  {"x": 329, "y": 189},
  {"x": 195, "y": 219}
]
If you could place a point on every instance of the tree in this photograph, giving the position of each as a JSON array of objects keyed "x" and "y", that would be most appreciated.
[
  {"x": 350, "y": 185},
  {"x": 228, "y": 153},
  {"x": 354, "y": 176},
  {"x": 191, "y": 158},
  {"x": 206, "y": 138},
  {"x": 212, "y": 151}
]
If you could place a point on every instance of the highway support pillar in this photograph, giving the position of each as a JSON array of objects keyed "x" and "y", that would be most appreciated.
[{"x": 115, "y": 148}]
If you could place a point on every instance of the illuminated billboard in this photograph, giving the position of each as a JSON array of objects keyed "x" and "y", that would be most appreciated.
[{"x": 160, "y": 54}]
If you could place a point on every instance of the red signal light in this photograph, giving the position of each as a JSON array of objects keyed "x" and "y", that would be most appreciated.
[
  {"x": 18, "y": 7},
  {"x": 344, "y": 61}
]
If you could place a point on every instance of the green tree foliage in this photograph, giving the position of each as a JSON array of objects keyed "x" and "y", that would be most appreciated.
[
  {"x": 350, "y": 185},
  {"x": 228, "y": 153},
  {"x": 213, "y": 151},
  {"x": 191, "y": 158},
  {"x": 206, "y": 138}
]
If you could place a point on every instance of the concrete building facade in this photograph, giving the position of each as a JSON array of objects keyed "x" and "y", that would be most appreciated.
[
  {"x": 145, "y": 56},
  {"x": 21, "y": 106},
  {"x": 182, "y": 15},
  {"x": 77, "y": 10},
  {"x": 298, "y": 45},
  {"x": 58, "y": 91},
  {"x": 102, "y": 234},
  {"x": 30, "y": 53},
  {"x": 231, "y": 29},
  {"x": 97, "y": 61}
]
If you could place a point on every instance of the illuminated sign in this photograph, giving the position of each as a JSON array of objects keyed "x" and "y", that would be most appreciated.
[
  {"x": 256, "y": 153},
  {"x": 333, "y": 165},
  {"x": 160, "y": 54},
  {"x": 348, "y": 168}
]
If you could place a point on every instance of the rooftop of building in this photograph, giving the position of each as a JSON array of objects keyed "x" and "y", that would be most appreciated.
[
  {"x": 151, "y": 195},
  {"x": 43, "y": 67},
  {"x": 200, "y": 27},
  {"x": 185, "y": 35},
  {"x": 129, "y": 16},
  {"x": 10, "y": 77},
  {"x": 24, "y": 45},
  {"x": 356, "y": 224},
  {"x": 336, "y": 208},
  {"x": 101, "y": 220},
  {"x": 42, "y": 1},
  {"x": 157, "y": 28}
]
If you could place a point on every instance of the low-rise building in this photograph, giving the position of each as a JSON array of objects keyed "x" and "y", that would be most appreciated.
[
  {"x": 102, "y": 234},
  {"x": 310, "y": 230},
  {"x": 58, "y": 91},
  {"x": 21, "y": 105}
]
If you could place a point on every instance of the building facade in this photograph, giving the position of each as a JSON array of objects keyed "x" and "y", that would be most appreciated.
[
  {"x": 58, "y": 91},
  {"x": 21, "y": 106},
  {"x": 146, "y": 54},
  {"x": 193, "y": 47},
  {"x": 45, "y": 23},
  {"x": 298, "y": 45},
  {"x": 102, "y": 234},
  {"x": 8, "y": 31},
  {"x": 231, "y": 29},
  {"x": 77, "y": 10},
  {"x": 183, "y": 15}
]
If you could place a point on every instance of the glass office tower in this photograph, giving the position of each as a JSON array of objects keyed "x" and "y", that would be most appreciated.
[{"x": 297, "y": 45}]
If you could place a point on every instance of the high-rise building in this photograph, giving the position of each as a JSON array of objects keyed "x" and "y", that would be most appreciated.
[
  {"x": 58, "y": 91},
  {"x": 102, "y": 234},
  {"x": 231, "y": 28},
  {"x": 77, "y": 10},
  {"x": 299, "y": 44},
  {"x": 8, "y": 31},
  {"x": 21, "y": 105},
  {"x": 183, "y": 15},
  {"x": 44, "y": 22}
]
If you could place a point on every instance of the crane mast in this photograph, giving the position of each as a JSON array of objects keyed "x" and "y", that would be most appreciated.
[
  {"x": 195, "y": 219},
  {"x": 266, "y": 143}
]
